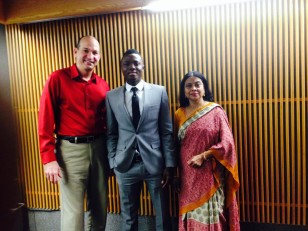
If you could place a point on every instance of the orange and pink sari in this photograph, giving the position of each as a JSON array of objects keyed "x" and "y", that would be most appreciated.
[{"x": 207, "y": 200}]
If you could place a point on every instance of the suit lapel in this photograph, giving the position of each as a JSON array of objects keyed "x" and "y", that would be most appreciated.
[
  {"x": 121, "y": 104},
  {"x": 146, "y": 100}
]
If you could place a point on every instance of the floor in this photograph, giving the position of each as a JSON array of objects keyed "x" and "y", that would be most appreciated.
[{"x": 50, "y": 221}]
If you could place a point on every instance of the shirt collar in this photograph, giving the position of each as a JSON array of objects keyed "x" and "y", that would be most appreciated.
[
  {"x": 140, "y": 86},
  {"x": 75, "y": 74}
]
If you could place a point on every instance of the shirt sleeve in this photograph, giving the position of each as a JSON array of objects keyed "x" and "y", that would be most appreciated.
[{"x": 46, "y": 121}]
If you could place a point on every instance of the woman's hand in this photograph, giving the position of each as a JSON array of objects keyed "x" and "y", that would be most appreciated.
[{"x": 197, "y": 161}]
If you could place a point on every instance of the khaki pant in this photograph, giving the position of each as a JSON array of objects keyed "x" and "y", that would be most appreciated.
[{"x": 84, "y": 170}]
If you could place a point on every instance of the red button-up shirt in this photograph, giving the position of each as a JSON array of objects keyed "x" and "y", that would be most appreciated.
[{"x": 70, "y": 106}]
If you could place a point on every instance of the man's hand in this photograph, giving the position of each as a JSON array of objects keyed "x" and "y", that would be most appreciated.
[
  {"x": 167, "y": 176},
  {"x": 111, "y": 172},
  {"x": 176, "y": 183},
  {"x": 52, "y": 171}
]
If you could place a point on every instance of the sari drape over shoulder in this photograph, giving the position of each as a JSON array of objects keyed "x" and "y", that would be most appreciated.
[{"x": 207, "y": 129}]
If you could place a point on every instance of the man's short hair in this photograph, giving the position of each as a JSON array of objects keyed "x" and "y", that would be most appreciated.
[
  {"x": 131, "y": 51},
  {"x": 78, "y": 42}
]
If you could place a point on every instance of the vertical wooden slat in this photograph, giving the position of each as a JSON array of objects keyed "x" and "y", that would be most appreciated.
[
  {"x": 304, "y": 106},
  {"x": 297, "y": 118},
  {"x": 287, "y": 112},
  {"x": 259, "y": 113},
  {"x": 176, "y": 74},
  {"x": 158, "y": 55},
  {"x": 243, "y": 107},
  {"x": 198, "y": 42},
  {"x": 218, "y": 77},
  {"x": 270, "y": 150},
  {"x": 222, "y": 34},
  {"x": 292, "y": 119},
  {"x": 208, "y": 46},
  {"x": 254, "y": 148},
  {"x": 281, "y": 114},
  {"x": 236, "y": 109},
  {"x": 248, "y": 144},
  {"x": 263, "y": 111},
  {"x": 228, "y": 23},
  {"x": 37, "y": 91},
  {"x": 32, "y": 113},
  {"x": 276, "y": 173}
]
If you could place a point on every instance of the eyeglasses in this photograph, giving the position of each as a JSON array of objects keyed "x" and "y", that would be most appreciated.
[{"x": 191, "y": 85}]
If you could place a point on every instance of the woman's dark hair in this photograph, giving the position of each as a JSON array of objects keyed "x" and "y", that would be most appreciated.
[{"x": 184, "y": 102}]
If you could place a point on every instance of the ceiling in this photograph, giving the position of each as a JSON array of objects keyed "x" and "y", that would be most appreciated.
[{"x": 27, "y": 11}]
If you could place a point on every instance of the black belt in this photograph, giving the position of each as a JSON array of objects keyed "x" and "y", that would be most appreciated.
[
  {"x": 137, "y": 158},
  {"x": 78, "y": 139}
]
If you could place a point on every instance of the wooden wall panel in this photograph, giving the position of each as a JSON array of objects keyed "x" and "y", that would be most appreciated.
[
  {"x": 254, "y": 55},
  {"x": 2, "y": 14}
]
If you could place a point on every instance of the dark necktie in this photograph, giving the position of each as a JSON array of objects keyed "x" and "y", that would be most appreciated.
[{"x": 135, "y": 107}]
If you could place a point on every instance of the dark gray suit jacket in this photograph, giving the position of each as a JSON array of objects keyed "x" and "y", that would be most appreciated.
[{"x": 154, "y": 134}]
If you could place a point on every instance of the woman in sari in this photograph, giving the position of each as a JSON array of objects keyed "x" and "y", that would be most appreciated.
[{"x": 208, "y": 162}]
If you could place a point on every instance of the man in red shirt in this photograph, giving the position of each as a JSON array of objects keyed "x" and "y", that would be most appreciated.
[{"x": 72, "y": 107}]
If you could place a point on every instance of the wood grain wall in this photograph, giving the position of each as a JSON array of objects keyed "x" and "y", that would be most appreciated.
[{"x": 254, "y": 55}]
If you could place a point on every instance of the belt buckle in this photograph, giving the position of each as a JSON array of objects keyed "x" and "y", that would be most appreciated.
[{"x": 76, "y": 140}]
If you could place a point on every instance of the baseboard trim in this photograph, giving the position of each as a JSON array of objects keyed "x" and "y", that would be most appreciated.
[{"x": 254, "y": 226}]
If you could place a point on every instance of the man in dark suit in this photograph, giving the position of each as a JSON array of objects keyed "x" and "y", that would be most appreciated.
[{"x": 139, "y": 142}]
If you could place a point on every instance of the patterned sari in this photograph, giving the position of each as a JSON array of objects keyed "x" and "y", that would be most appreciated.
[{"x": 207, "y": 200}]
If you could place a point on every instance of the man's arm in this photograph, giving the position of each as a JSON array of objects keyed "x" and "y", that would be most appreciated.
[
  {"x": 112, "y": 132},
  {"x": 46, "y": 123},
  {"x": 166, "y": 133}
]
